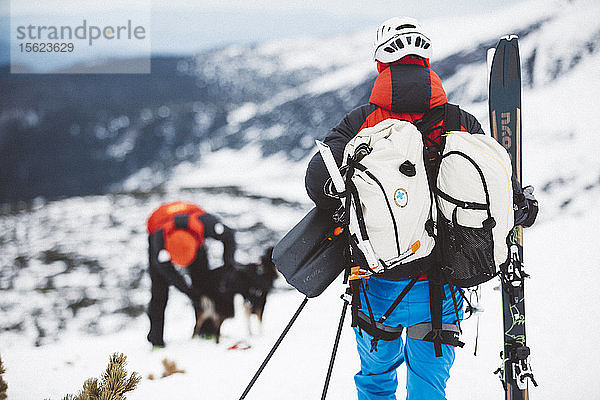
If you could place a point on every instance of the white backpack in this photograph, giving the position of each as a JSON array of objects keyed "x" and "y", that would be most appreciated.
[
  {"x": 475, "y": 199},
  {"x": 393, "y": 190}
]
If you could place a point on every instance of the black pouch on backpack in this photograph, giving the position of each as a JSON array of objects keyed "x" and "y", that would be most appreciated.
[
  {"x": 467, "y": 253},
  {"x": 313, "y": 253}
]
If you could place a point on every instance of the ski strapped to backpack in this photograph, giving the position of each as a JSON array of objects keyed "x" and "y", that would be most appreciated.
[
  {"x": 505, "y": 123},
  {"x": 393, "y": 189}
]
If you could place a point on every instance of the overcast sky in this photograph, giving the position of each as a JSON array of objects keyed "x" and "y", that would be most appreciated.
[
  {"x": 191, "y": 25},
  {"x": 377, "y": 9}
]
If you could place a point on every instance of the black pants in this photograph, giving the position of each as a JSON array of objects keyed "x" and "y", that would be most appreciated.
[{"x": 160, "y": 284}]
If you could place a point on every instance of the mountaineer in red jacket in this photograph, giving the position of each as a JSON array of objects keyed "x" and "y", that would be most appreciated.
[
  {"x": 176, "y": 244},
  {"x": 406, "y": 88}
]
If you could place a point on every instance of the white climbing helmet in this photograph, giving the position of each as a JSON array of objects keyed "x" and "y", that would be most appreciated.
[{"x": 398, "y": 37}]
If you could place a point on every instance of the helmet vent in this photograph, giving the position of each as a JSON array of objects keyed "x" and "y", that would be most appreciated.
[
  {"x": 405, "y": 26},
  {"x": 399, "y": 43}
]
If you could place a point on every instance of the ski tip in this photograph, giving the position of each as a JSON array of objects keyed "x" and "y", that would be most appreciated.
[
  {"x": 510, "y": 37},
  {"x": 490, "y": 58}
]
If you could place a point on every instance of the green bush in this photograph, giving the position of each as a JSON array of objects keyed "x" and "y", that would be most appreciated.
[{"x": 113, "y": 384}]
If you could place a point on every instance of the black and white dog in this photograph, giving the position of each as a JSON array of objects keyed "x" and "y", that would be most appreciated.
[{"x": 253, "y": 281}]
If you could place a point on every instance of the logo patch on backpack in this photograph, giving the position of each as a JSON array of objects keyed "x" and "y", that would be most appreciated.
[{"x": 401, "y": 197}]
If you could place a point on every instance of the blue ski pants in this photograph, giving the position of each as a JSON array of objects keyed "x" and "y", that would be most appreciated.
[{"x": 426, "y": 374}]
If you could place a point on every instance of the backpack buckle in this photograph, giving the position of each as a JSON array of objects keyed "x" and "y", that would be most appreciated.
[{"x": 358, "y": 273}]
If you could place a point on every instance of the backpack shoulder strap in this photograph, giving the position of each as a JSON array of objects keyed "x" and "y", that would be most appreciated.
[
  {"x": 433, "y": 125},
  {"x": 436, "y": 122},
  {"x": 451, "y": 118},
  {"x": 426, "y": 123}
]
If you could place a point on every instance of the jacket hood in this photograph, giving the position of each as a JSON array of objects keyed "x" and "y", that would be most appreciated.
[{"x": 408, "y": 88}]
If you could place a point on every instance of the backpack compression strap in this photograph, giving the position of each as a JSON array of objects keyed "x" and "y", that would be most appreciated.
[
  {"x": 423, "y": 331},
  {"x": 466, "y": 204},
  {"x": 436, "y": 296}
]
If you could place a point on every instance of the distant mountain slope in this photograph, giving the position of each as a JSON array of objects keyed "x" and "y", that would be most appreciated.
[{"x": 65, "y": 135}]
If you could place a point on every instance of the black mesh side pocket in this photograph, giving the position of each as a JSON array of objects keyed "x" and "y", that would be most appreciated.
[{"x": 467, "y": 253}]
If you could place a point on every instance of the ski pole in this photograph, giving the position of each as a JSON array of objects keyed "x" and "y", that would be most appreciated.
[
  {"x": 335, "y": 347},
  {"x": 277, "y": 343}
]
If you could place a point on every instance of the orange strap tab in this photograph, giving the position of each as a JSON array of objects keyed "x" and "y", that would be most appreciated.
[{"x": 357, "y": 273}]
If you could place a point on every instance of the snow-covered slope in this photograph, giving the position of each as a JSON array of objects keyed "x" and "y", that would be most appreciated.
[
  {"x": 72, "y": 271},
  {"x": 561, "y": 333}
]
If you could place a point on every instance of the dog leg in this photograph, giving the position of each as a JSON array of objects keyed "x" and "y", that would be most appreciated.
[
  {"x": 259, "y": 317},
  {"x": 248, "y": 313},
  {"x": 200, "y": 318},
  {"x": 218, "y": 322}
]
